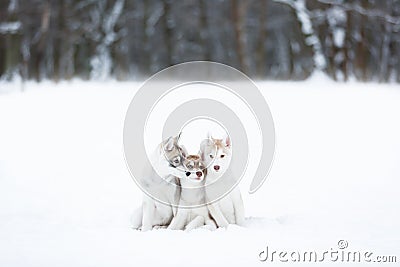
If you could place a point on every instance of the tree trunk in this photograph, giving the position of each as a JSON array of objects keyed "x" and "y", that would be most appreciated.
[{"x": 239, "y": 9}]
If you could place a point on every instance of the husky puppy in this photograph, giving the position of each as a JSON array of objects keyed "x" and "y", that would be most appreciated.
[
  {"x": 192, "y": 218},
  {"x": 161, "y": 178},
  {"x": 216, "y": 155}
]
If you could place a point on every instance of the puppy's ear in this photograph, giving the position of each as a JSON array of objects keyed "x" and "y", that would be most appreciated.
[
  {"x": 228, "y": 141},
  {"x": 203, "y": 145},
  {"x": 169, "y": 144},
  {"x": 183, "y": 151},
  {"x": 205, "y": 172}
]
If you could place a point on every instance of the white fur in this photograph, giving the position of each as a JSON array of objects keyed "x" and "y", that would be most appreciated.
[
  {"x": 153, "y": 213},
  {"x": 191, "y": 218},
  {"x": 230, "y": 209}
]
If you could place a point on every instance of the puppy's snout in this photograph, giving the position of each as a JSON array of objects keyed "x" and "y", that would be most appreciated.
[
  {"x": 216, "y": 167},
  {"x": 188, "y": 174},
  {"x": 199, "y": 174}
]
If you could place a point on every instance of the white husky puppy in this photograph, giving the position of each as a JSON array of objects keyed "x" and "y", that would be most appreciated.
[
  {"x": 216, "y": 155},
  {"x": 165, "y": 160},
  {"x": 192, "y": 193}
]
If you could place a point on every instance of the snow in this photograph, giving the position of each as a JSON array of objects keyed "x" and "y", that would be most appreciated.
[
  {"x": 10, "y": 27},
  {"x": 102, "y": 63},
  {"x": 336, "y": 15},
  {"x": 338, "y": 37},
  {"x": 303, "y": 15},
  {"x": 66, "y": 195},
  {"x": 12, "y": 6},
  {"x": 337, "y": 19}
]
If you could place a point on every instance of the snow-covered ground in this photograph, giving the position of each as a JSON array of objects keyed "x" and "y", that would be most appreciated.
[{"x": 66, "y": 195}]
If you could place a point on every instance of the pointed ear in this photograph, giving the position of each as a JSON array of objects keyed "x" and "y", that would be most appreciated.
[
  {"x": 228, "y": 141},
  {"x": 203, "y": 144},
  {"x": 201, "y": 151},
  {"x": 169, "y": 144},
  {"x": 183, "y": 151},
  {"x": 202, "y": 155}
]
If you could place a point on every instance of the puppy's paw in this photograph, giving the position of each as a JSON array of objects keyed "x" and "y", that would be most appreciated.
[
  {"x": 146, "y": 228},
  {"x": 174, "y": 228},
  {"x": 223, "y": 225},
  {"x": 156, "y": 227}
]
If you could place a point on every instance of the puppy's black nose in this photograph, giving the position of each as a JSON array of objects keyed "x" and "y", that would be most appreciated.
[
  {"x": 188, "y": 174},
  {"x": 216, "y": 167},
  {"x": 199, "y": 174}
]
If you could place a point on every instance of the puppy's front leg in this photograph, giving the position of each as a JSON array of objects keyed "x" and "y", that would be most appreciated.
[
  {"x": 136, "y": 219},
  {"x": 210, "y": 225},
  {"x": 179, "y": 221},
  {"x": 217, "y": 215},
  {"x": 195, "y": 223},
  {"x": 148, "y": 214},
  {"x": 238, "y": 207}
]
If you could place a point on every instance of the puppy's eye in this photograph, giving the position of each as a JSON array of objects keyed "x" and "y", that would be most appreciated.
[
  {"x": 212, "y": 156},
  {"x": 222, "y": 156},
  {"x": 176, "y": 160}
]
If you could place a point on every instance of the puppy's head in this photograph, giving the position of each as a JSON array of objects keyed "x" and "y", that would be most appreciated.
[
  {"x": 195, "y": 170},
  {"x": 216, "y": 154},
  {"x": 173, "y": 152}
]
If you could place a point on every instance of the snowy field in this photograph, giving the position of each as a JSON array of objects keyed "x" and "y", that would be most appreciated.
[{"x": 66, "y": 195}]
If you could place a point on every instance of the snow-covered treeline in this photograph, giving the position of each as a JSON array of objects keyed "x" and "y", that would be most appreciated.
[{"x": 274, "y": 39}]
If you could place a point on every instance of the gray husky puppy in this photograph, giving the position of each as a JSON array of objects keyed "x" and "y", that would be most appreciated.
[{"x": 162, "y": 179}]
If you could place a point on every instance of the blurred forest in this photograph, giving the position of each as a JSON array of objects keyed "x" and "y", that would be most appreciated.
[{"x": 266, "y": 39}]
